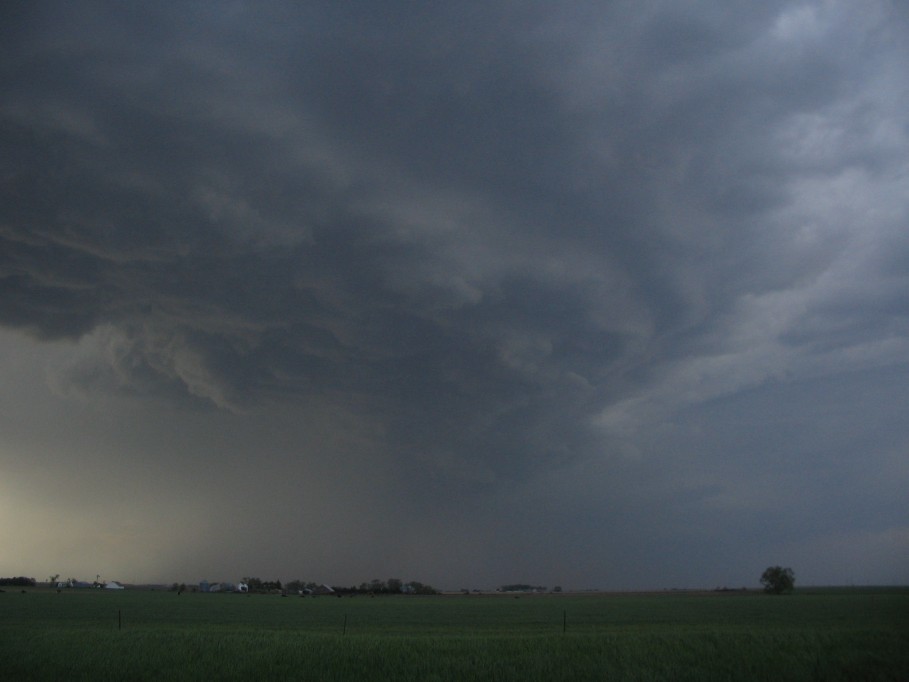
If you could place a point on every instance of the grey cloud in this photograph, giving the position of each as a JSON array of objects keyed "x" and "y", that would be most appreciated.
[
  {"x": 221, "y": 198},
  {"x": 505, "y": 241}
]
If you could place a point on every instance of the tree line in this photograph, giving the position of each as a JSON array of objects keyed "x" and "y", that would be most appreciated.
[
  {"x": 521, "y": 587},
  {"x": 18, "y": 581},
  {"x": 375, "y": 586}
]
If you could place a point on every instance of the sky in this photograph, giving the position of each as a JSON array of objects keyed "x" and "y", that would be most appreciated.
[{"x": 592, "y": 294}]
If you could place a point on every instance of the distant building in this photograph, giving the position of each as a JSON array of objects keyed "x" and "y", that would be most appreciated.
[{"x": 113, "y": 585}]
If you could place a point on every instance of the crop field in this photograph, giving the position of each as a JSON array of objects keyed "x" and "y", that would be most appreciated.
[{"x": 146, "y": 635}]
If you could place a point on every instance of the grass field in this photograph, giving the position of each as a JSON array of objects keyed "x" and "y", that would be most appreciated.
[{"x": 143, "y": 635}]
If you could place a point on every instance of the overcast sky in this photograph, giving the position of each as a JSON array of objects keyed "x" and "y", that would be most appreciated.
[{"x": 591, "y": 294}]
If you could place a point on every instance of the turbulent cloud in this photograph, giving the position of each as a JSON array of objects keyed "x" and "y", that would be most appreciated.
[{"x": 498, "y": 242}]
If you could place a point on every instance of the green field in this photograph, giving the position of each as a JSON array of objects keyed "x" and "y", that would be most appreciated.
[{"x": 145, "y": 635}]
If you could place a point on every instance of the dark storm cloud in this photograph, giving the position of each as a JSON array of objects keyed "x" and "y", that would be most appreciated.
[
  {"x": 223, "y": 259},
  {"x": 511, "y": 238}
]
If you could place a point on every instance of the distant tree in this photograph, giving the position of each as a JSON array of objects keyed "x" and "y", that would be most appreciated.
[
  {"x": 557, "y": 588},
  {"x": 415, "y": 587},
  {"x": 18, "y": 581},
  {"x": 522, "y": 587},
  {"x": 777, "y": 580},
  {"x": 255, "y": 584},
  {"x": 394, "y": 585}
]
